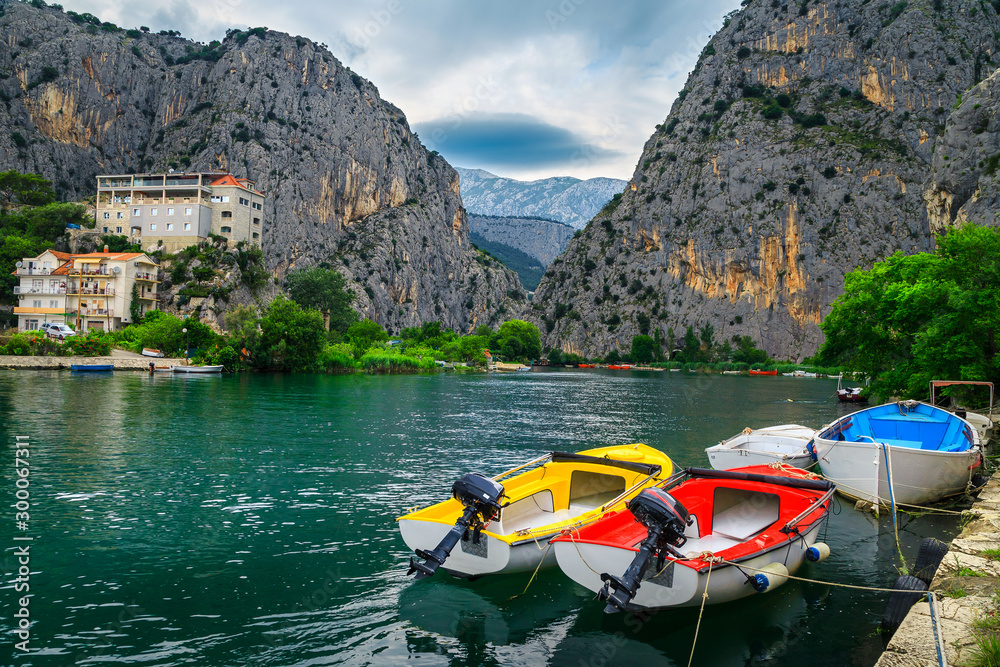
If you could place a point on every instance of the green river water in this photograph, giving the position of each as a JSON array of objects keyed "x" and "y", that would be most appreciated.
[{"x": 250, "y": 521}]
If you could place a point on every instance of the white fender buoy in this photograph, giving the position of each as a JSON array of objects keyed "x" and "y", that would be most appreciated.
[
  {"x": 818, "y": 552},
  {"x": 770, "y": 577}
]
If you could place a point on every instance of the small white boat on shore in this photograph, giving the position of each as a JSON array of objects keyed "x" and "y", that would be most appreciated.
[
  {"x": 775, "y": 444},
  {"x": 907, "y": 453},
  {"x": 197, "y": 370},
  {"x": 150, "y": 352}
]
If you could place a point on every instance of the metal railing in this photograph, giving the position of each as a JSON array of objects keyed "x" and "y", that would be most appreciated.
[
  {"x": 33, "y": 271},
  {"x": 92, "y": 291},
  {"x": 18, "y": 289},
  {"x": 145, "y": 275}
]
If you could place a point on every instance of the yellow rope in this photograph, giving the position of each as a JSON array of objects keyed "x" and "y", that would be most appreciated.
[
  {"x": 530, "y": 581},
  {"x": 704, "y": 597}
]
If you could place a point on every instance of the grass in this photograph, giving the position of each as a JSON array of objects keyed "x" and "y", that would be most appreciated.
[
  {"x": 992, "y": 554},
  {"x": 968, "y": 572},
  {"x": 986, "y": 652},
  {"x": 955, "y": 592}
]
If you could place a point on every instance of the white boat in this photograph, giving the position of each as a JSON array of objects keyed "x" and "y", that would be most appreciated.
[
  {"x": 475, "y": 532},
  {"x": 750, "y": 527},
  {"x": 776, "y": 444},
  {"x": 197, "y": 369},
  {"x": 149, "y": 352},
  {"x": 928, "y": 454}
]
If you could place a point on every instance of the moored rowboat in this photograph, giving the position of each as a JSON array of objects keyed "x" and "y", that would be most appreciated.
[
  {"x": 909, "y": 453},
  {"x": 196, "y": 369},
  {"x": 728, "y": 533},
  {"x": 150, "y": 352},
  {"x": 92, "y": 368},
  {"x": 775, "y": 444},
  {"x": 489, "y": 527}
]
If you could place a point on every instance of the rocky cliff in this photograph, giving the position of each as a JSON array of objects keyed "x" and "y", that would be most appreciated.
[
  {"x": 563, "y": 198},
  {"x": 965, "y": 185},
  {"x": 799, "y": 149},
  {"x": 542, "y": 239},
  {"x": 347, "y": 182}
]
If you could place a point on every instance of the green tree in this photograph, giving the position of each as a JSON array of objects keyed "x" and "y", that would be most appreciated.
[
  {"x": 364, "y": 334},
  {"x": 135, "y": 308},
  {"x": 908, "y": 320},
  {"x": 291, "y": 337},
  {"x": 643, "y": 349},
  {"x": 746, "y": 352},
  {"x": 555, "y": 356},
  {"x": 243, "y": 325},
  {"x": 470, "y": 348},
  {"x": 517, "y": 340},
  {"x": 691, "y": 346},
  {"x": 28, "y": 189},
  {"x": 325, "y": 290}
]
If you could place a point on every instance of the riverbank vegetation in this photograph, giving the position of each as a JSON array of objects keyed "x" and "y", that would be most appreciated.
[{"x": 912, "y": 319}]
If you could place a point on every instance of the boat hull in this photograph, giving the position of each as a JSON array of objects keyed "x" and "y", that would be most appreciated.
[
  {"x": 196, "y": 370},
  {"x": 918, "y": 476},
  {"x": 490, "y": 556},
  {"x": 676, "y": 585},
  {"x": 93, "y": 368},
  {"x": 146, "y": 352},
  {"x": 722, "y": 458}
]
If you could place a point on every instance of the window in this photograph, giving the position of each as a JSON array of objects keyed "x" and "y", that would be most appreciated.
[
  {"x": 136, "y": 211},
  {"x": 118, "y": 230},
  {"x": 227, "y": 215},
  {"x": 31, "y": 325},
  {"x": 227, "y": 230},
  {"x": 106, "y": 230},
  {"x": 153, "y": 211},
  {"x": 187, "y": 211},
  {"x": 256, "y": 236},
  {"x": 107, "y": 216},
  {"x": 257, "y": 206},
  {"x": 224, "y": 199},
  {"x": 187, "y": 226},
  {"x": 121, "y": 216},
  {"x": 170, "y": 226},
  {"x": 170, "y": 211},
  {"x": 244, "y": 202},
  {"x": 256, "y": 221},
  {"x": 37, "y": 303},
  {"x": 53, "y": 303},
  {"x": 152, "y": 226}
]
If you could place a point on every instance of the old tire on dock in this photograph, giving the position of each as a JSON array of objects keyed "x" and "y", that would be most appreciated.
[
  {"x": 928, "y": 558},
  {"x": 906, "y": 592}
]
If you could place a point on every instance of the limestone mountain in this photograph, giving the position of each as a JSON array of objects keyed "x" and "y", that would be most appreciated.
[
  {"x": 347, "y": 182},
  {"x": 564, "y": 199},
  {"x": 542, "y": 239},
  {"x": 798, "y": 150}
]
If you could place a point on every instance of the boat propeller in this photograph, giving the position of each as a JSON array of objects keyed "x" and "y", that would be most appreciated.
[
  {"x": 481, "y": 498},
  {"x": 665, "y": 520}
]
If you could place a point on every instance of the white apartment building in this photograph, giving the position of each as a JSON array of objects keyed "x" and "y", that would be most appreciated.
[{"x": 88, "y": 291}]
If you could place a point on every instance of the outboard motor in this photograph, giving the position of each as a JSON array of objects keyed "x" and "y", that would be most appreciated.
[
  {"x": 481, "y": 498},
  {"x": 665, "y": 520}
]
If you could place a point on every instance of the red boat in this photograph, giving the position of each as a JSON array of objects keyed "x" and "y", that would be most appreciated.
[
  {"x": 851, "y": 395},
  {"x": 586, "y": 365},
  {"x": 753, "y": 372},
  {"x": 623, "y": 367},
  {"x": 732, "y": 532}
]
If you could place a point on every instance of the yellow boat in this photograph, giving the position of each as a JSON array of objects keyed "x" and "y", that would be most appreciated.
[{"x": 506, "y": 526}]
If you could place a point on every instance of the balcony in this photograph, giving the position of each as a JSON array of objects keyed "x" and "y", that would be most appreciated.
[
  {"x": 91, "y": 291},
  {"x": 19, "y": 289},
  {"x": 33, "y": 271},
  {"x": 93, "y": 312},
  {"x": 146, "y": 275},
  {"x": 84, "y": 271}
]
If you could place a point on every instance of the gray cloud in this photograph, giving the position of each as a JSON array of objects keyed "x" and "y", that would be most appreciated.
[
  {"x": 504, "y": 142},
  {"x": 606, "y": 73}
]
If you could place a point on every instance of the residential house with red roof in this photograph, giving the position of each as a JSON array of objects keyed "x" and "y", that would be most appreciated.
[
  {"x": 175, "y": 210},
  {"x": 86, "y": 291}
]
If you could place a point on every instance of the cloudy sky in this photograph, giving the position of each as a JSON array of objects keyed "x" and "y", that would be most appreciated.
[{"x": 522, "y": 88}]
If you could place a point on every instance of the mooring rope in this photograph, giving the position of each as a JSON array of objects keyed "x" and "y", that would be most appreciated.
[{"x": 701, "y": 612}]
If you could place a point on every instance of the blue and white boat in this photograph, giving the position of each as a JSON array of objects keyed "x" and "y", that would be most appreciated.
[{"x": 909, "y": 453}]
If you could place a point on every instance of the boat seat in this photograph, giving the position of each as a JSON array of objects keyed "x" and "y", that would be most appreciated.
[
  {"x": 896, "y": 442},
  {"x": 740, "y": 514},
  {"x": 713, "y": 543}
]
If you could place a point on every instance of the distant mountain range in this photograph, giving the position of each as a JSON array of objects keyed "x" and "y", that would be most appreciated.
[
  {"x": 564, "y": 199},
  {"x": 526, "y": 245}
]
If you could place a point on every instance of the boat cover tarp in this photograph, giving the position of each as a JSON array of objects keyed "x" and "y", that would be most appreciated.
[
  {"x": 795, "y": 482},
  {"x": 644, "y": 468}
]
